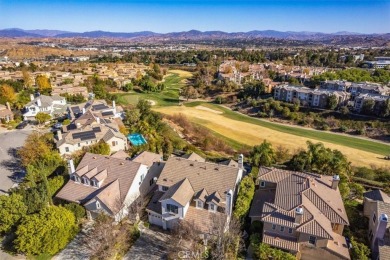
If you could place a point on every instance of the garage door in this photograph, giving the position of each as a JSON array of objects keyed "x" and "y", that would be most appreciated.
[{"x": 155, "y": 219}]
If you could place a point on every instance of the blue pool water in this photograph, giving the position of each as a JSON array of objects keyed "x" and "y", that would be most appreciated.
[{"x": 136, "y": 139}]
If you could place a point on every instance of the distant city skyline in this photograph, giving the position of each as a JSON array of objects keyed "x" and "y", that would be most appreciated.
[{"x": 328, "y": 16}]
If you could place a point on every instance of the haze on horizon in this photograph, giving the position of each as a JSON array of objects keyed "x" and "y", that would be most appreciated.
[{"x": 328, "y": 16}]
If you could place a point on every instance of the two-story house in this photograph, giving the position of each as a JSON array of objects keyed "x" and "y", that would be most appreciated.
[
  {"x": 6, "y": 114},
  {"x": 52, "y": 105},
  {"x": 104, "y": 184},
  {"x": 302, "y": 213},
  {"x": 377, "y": 210},
  {"x": 195, "y": 191},
  {"x": 98, "y": 107}
]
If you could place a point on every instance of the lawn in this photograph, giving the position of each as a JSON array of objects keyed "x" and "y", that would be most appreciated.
[
  {"x": 251, "y": 131},
  {"x": 174, "y": 81}
]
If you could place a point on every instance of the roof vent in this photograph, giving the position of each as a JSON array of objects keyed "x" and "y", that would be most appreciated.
[
  {"x": 216, "y": 168},
  {"x": 94, "y": 157},
  {"x": 384, "y": 218},
  {"x": 191, "y": 164},
  {"x": 122, "y": 163},
  {"x": 165, "y": 179}
]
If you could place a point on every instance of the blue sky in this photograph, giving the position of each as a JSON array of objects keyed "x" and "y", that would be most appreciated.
[{"x": 364, "y": 16}]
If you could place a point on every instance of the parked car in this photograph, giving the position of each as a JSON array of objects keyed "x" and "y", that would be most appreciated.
[
  {"x": 57, "y": 125},
  {"x": 22, "y": 125}
]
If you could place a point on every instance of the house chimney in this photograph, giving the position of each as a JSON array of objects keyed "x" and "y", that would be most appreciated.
[
  {"x": 229, "y": 202},
  {"x": 298, "y": 215},
  {"x": 241, "y": 161},
  {"x": 382, "y": 226},
  {"x": 83, "y": 110},
  {"x": 78, "y": 125},
  {"x": 59, "y": 135},
  {"x": 71, "y": 167},
  {"x": 114, "y": 107},
  {"x": 335, "y": 181},
  {"x": 98, "y": 120},
  {"x": 32, "y": 97},
  {"x": 39, "y": 102},
  {"x": 8, "y": 106}
]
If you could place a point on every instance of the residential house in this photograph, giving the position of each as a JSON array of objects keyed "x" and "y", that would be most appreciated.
[
  {"x": 90, "y": 129},
  {"x": 52, "y": 105},
  {"x": 302, "y": 213},
  {"x": 104, "y": 184},
  {"x": 377, "y": 210},
  {"x": 6, "y": 114},
  {"x": 195, "y": 191},
  {"x": 99, "y": 108},
  {"x": 70, "y": 90}
]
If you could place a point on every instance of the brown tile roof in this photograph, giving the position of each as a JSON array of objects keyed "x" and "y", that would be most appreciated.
[
  {"x": 201, "y": 195},
  {"x": 377, "y": 195},
  {"x": 180, "y": 192},
  {"x": 147, "y": 158},
  {"x": 201, "y": 175},
  {"x": 194, "y": 157},
  {"x": 322, "y": 205},
  {"x": 115, "y": 174},
  {"x": 286, "y": 243},
  {"x": 121, "y": 155},
  {"x": 339, "y": 246},
  {"x": 111, "y": 196},
  {"x": 203, "y": 220}
]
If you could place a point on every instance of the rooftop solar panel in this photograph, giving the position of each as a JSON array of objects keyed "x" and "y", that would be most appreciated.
[
  {"x": 75, "y": 110},
  {"x": 99, "y": 107},
  {"x": 108, "y": 113},
  {"x": 96, "y": 130},
  {"x": 84, "y": 135}
]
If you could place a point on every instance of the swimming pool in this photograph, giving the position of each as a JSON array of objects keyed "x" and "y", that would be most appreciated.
[{"x": 136, "y": 139}]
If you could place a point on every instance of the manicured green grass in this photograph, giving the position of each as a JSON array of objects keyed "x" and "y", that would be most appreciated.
[
  {"x": 357, "y": 143},
  {"x": 168, "y": 97}
]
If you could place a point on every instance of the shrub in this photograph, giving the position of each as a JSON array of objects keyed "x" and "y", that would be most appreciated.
[
  {"x": 48, "y": 231},
  {"x": 54, "y": 184},
  {"x": 245, "y": 196},
  {"x": 78, "y": 211},
  {"x": 12, "y": 209}
]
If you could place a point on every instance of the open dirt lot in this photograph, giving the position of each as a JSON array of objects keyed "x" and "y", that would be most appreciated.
[{"x": 252, "y": 134}]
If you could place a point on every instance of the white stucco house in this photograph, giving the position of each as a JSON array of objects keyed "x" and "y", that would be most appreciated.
[
  {"x": 104, "y": 184},
  {"x": 52, "y": 105}
]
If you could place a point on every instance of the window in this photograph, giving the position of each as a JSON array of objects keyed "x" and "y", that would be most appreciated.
[
  {"x": 142, "y": 177},
  {"x": 79, "y": 144},
  {"x": 199, "y": 204},
  {"x": 312, "y": 240},
  {"x": 113, "y": 143},
  {"x": 374, "y": 218},
  {"x": 94, "y": 183},
  {"x": 85, "y": 181},
  {"x": 172, "y": 208},
  {"x": 273, "y": 226},
  {"x": 281, "y": 229},
  {"x": 67, "y": 149},
  {"x": 262, "y": 184},
  {"x": 164, "y": 188},
  {"x": 97, "y": 205},
  {"x": 212, "y": 207},
  {"x": 151, "y": 182},
  {"x": 290, "y": 230}
]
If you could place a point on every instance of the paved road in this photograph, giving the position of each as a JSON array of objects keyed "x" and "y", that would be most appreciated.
[{"x": 10, "y": 170}]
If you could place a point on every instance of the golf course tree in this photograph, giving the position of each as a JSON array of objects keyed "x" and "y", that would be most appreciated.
[
  {"x": 46, "y": 232},
  {"x": 263, "y": 154}
]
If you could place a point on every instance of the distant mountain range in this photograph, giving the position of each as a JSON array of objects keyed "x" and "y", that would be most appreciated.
[{"x": 187, "y": 35}]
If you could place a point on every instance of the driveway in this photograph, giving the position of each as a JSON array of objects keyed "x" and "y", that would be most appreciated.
[
  {"x": 10, "y": 167},
  {"x": 150, "y": 245}
]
